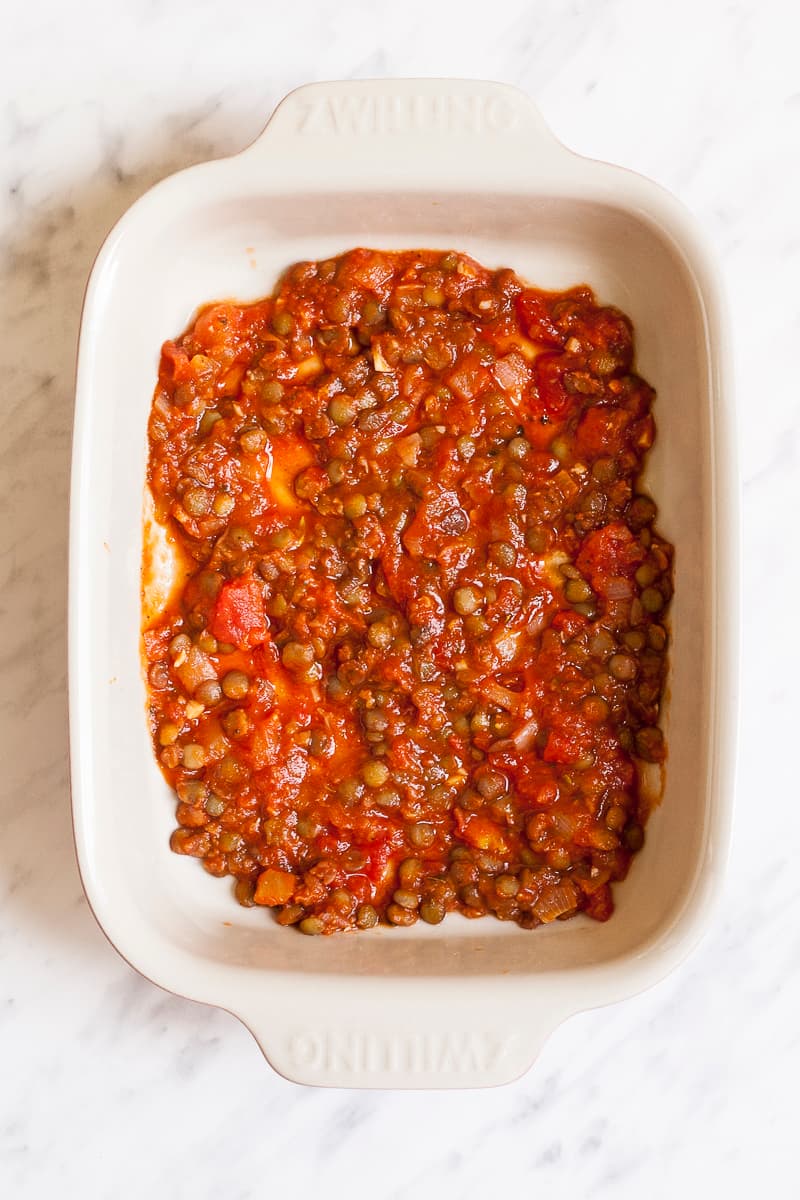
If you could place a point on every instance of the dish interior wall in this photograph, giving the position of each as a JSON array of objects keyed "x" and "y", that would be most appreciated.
[{"x": 237, "y": 247}]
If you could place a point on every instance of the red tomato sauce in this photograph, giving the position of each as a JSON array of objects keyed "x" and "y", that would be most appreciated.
[{"x": 417, "y": 658}]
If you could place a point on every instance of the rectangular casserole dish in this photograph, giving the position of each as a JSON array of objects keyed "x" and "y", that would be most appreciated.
[{"x": 393, "y": 164}]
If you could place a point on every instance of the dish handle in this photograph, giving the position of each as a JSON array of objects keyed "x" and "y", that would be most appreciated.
[
  {"x": 407, "y": 1033},
  {"x": 387, "y": 131}
]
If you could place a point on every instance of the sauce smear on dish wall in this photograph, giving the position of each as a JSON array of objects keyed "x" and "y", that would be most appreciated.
[{"x": 415, "y": 658}]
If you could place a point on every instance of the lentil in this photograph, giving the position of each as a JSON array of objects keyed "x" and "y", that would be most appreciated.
[
  {"x": 432, "y": 911},
  {"x": 235, "y": 685}
]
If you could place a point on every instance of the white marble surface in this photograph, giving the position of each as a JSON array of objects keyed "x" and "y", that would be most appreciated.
[{"x": 112, "y": 1088}]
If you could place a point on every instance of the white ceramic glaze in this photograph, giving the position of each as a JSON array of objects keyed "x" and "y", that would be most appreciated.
[{"x": 405, "y": 163}]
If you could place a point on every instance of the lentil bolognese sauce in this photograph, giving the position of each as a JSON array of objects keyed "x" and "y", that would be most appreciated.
[{"x": 416, "y": 656}]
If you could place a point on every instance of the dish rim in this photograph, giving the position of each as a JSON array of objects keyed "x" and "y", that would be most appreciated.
[{"x": 628, "y": 191}]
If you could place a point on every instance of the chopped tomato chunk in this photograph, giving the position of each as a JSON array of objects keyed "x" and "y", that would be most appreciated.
[{"x": 239, "y": 616}]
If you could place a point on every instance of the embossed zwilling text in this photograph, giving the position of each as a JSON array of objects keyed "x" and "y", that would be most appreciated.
[
  {"x": 421, "y": 1053},
  {"x": 364, "y": 115}
]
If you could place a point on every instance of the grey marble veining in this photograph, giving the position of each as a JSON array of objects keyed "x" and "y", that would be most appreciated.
[{"x": 110, "y": 1087}]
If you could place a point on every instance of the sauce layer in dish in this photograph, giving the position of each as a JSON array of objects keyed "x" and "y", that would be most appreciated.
[{"x": 415, "y": 654}]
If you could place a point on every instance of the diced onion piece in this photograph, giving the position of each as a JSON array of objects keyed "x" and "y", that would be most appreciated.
[
  {"x": 506, "y": 643},
  {"x": 378, "y": 361},
  {"x": 618, "y": 588},
  {"x": 408, "y": 449},
  {"x": 308, "y": 367},
  {"x": 197, "y": 668},
  {"x": 525, "y": 736},
  {"x": 503, "y": 697},
  {"x": 564, "y": 825},
  {"x": 512, "y": 373},
  {"x": 554, "y": 901}
]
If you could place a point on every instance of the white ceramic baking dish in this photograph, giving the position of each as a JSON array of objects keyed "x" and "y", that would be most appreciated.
[{"x": 398, "y": 163}]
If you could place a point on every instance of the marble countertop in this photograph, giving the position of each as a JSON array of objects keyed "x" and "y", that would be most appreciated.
[{"x": 112, "y": 1088}]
